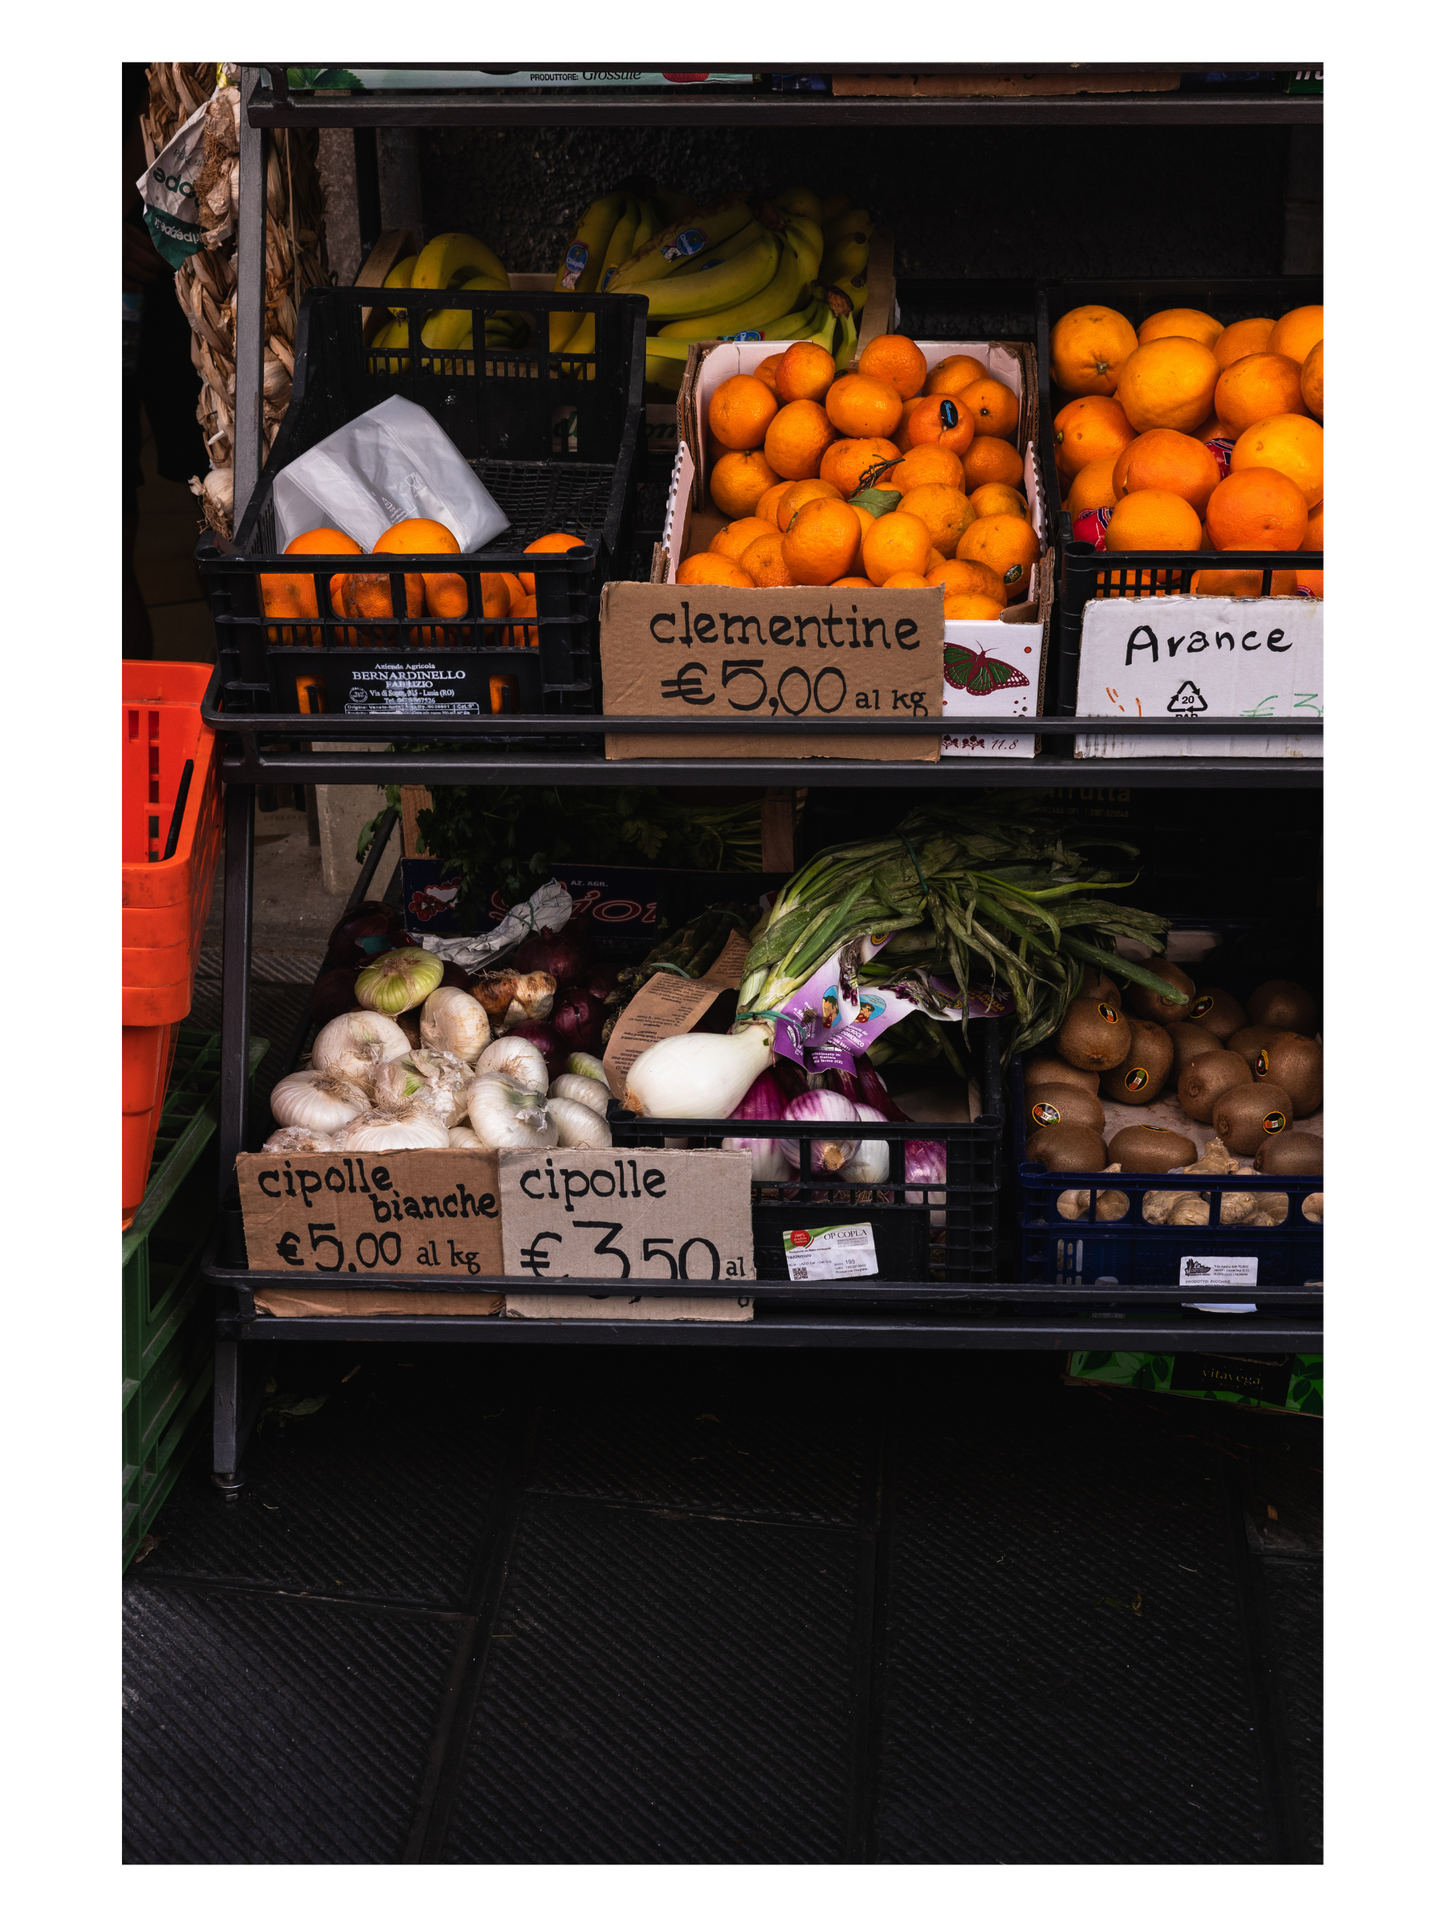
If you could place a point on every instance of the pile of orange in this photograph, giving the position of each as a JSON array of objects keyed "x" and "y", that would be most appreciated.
[
  {"x": 1196, "y": 435},
  {"x": 292, "y": 598},
  {"x": 891, "y": 476}
]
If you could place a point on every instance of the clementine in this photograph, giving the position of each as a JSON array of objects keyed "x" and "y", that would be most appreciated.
[
  {"x": 851, "y": 582},
  {"x": 805, "y": 372},
  {"x": 969, "y": 578},
  {"x": 997, "y": 498},
  {"x": 1092, "y": 488},
  {"x": 987, "y": 459},
  {"x": 1243, "y": 338},
  {"x": 763, "y": 560},
  {"x": 1092, "y": 428},
  {"x": 822, "y": 541},
  {"x": 928, "y": 464},
  {"x": 1312, "y": 379},
  {"x": 1310, "y": 583},
  {"x": 858, "y": 406},
  {"x": 953, "y": 374},
  {"x": 1256, "y": 508},
  {"x": 993, "y": 405},
  {"x": 1293, "y": 445},
  {"x": 1168, "y": 383},
  {"x": 1315, "y": 530},
  {"x": 846, "y": 463},
  {"x": 738, "y": 481},
  {"x": 1153, "y": 518},
  {"x": 1295, "y": 333},
  {"x": 547, "y": 545},
  {"x": 896, "y": 360},
  {"x": 1211, "y": 431},
  {"x": 1087, "y": 348},
  {"x": 720, "y": 571},
  {"x": 768, "y": 371},
  {"x": 939, "y": 421},
  {"x": 796, "y": 438},
  {"x": 1255, "y": 387},
  {"x": 1243, "y": 582},
  {"x": 732, "y": 540},
  {"x": 1192, "y": 322},
  {"x": 740, "y": 410},
  {"x": 896, "y": 541},
  {"x": 1008, "y": 544},
  {"x": 971, "y": 608},
  {"x": 945, "y": 512},
  {"x": 1162, "y": 458},
  {"x": 767, "y": 503},
  {"x": 813, "y": 489},
  {"x": 906, "y": 579}
]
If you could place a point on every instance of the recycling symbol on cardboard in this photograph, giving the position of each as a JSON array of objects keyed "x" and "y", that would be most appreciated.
[{"x": 1187, "y": 700}]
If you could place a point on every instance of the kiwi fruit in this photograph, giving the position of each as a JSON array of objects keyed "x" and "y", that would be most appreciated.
[
  {"x": 1048, "y": 1069},
  {"x": 1189, "y": 1041},
  {"x": 1050, "y": 1105},
  {"x": 1297, "y": 1065},
  {"x": 1286, "y": 1005},
  {"x": 1066, "y": 1147},
  {"x": 1145, "y": 1071},
  {"x": 1094, "y": 1035},
  {"x": 1292, "y": 1154},
  {"x": 1207, "y": 1077},
  {"x": 1217, "y": 1012},
  {"x": 1148, "y": 1003},
  {"x": 1144, "y": 1147},
  {"x": 1245, "y": 1116},
  {"x": 1097, "y": 984},
  {"x": 1248, "y": 1040}
]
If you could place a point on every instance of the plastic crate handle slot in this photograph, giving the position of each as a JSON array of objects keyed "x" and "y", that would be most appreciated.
[{"x": 173, "y": 836}]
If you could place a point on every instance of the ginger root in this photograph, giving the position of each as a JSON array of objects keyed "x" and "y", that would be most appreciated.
[{"x": 1112, "y": 1205}]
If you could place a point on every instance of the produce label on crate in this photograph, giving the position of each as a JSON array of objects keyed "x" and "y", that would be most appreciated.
[
  {"x": 1193, "y": 656},
  {"x": 627, "y": 1216},
  {"x": 834, "y": 1251},
  {"x": 772, "y": 656},
  {"x": 358, "y": 1216}
]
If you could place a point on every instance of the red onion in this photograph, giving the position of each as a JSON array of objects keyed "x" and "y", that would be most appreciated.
[
  {"x": 561, "y": 953},
  {"x": 827, "y": 1153},
  {"x": 334, "y": 993},
  {"x": 554, "y": 1051},
  {"x": 765, "y": 1099},
  {"x": 577, "y": 1020},
  {"x": 926, "y": 1162},
  {"x": 364, "y": 933},
  {"x": 599, "y": 982},
  {"x": 875, "y": 1092},
  {"x": 455, "y": 978}
]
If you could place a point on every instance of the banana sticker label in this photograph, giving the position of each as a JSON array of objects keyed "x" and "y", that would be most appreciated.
[
  {"x": 1136, "y": 1078},
  {"x": 575, "y": 265},
  {"x": 1275, "y": 1121},
  {"x": 1044, "y": 1114},
  {"x": 684, "y": 245}
]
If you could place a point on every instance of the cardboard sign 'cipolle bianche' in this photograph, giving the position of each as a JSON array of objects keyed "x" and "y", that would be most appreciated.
[{"x": 1191, "y": 656}]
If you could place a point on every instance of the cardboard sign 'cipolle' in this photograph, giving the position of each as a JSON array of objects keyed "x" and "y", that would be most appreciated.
[
  {"x": 357, "y": 1215},
  {"x": 627, "y": 1214},
  {"x": 772, "y": 656}
]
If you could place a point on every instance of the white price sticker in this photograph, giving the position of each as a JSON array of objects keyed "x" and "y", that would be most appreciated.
[
  {"x": 833, "y": 1251},
  {"x": 1219, "y": 1271}
]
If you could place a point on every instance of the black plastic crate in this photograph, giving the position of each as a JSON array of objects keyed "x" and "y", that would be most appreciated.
[
  {"x": 955, "y": 1242},
  {"x": 555, "y": 438},
  {"x": 1081, "y": 571}
]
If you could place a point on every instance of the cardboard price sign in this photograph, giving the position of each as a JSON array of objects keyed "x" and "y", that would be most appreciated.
[
  {"x": 774, "y": 656},
  {"x": 400, "y": 1211},
  {"x": 618, "y": 1215}
]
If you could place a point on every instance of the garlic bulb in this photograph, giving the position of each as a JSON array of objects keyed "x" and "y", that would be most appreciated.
[
  {"x": 506, "y": 1116},
  {"x": 578, "y": 1126},
  {"x": 399, "y": 980},
  {"x": 581, "y": 1090},
  {"x": 517, "y": 1058},
  {"x": 452, "y": 1020},
  {"x": 353, "y": 1044},
  {"x": 316, "y": 1100},
  {"x": 698, "y": 1074},
  {"x": 296, "y": 1137},
  {"x": 462, "y": 1137},
  {"x": 412, "y": 1128}
]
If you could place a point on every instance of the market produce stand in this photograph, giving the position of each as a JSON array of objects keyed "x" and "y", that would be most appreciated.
[{"x": 271, "y": 749}]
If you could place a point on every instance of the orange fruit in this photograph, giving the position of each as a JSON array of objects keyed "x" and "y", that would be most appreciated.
[
  {"x": 822, "y": 541},
  {"x": 858, "y": 406},
  {"x": 997, "y": 498},
  {"x": 851, "y": 582},
  {"x": 1312, "y": 379},
  {"x": 444, "y": 595},
  {"x": 1256, "y": 508},
  {"x": 289, "y": 596},
  {"x": 987, "y": 459},
  {"x": 1087, "y": 348},
  {"x": 768, "y": 371},
  {"x": 1243, "y": 338},
  {"x": 845, "y": 463},
  {"x": 896, "y": 360},
  {"x": 939, "y": 422},
  {"x": 805, "y": 372},
  {"x": 722, "y": 571},
  {"x": 1162, "y": 458},
  {"x": 764, "y": 561},
  {"x": 1153, "y": 518},
  {"x": 1242, "y": 582},
  {"x": 547, "y": 545},
  {"x": 1293, "y": 445},
  {"x": 945, "y": 512},
  {"x": 813, "y": 489},
  {"x": 1192, "y": 322},
  {"x": 906, "y": 579},
  {"x": 732, "y": 540},
  {"x": 738, "y": 481},
  {"x": 796, "y": 439},
  {"x": 1092, "y": 428},
  {"x": 767, "y": 504},
  {"x": 993, "y": 405},
  {"x": 1211, "y": 431},
  {"x": 865, "y": 519},
  {"x": 936, "y": 560},
  {"x": 969, "y": 578},
  {"x": 927, "y": 464},
  {"x": 740, "y": 410},
  {"x": 1311, "y": 583},
  {"x": 953, "y": 374},
  {"x": 1008, "y": 545},
  {"x": 515, "y": 590},
  {"x": 896, "y": 541},
  {"x": 971, "y": 608},
  {"x": 368, "y": 597},
  {"x": 1295, "y": 333},
  {"x": 1315, "y": 529},
  {"x": 1092, "y": 488},
  {"x": 1255, "y": 387},
  {"x": 1168, "y": 383},
  {"x": 914, "y": 401},
  {"x": 524, "y": 638}
]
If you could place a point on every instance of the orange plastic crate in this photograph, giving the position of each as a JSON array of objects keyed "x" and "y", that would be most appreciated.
[{"x": 164, "y": 901}]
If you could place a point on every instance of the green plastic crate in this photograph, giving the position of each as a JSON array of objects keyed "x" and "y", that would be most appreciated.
[
  {"x": 166, "y": 1331},
  {"x": 1293, "y": 1384}
]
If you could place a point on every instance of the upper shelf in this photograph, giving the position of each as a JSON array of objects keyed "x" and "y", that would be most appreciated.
[{"x": 1194, "y": 103}]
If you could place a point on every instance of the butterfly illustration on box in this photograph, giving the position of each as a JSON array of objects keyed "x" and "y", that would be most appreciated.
[{"x": 976, "y": 672}]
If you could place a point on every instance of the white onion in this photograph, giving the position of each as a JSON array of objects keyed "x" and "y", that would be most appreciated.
[
  {"x": 515, "y": 1057},
  {"x": 581, "y": 1090},
  {"x": 399, "y": 980},
  {"x": 506, "y": 1116},
  {"x": 583, "y": 1064},
  {"x": 442, "y": 1082},
  {"x": 353, "y": 1044},
  {"x": 413, "y": 1128},
  {"x": 296, "y": 1137},
  {"x": 462, "y": 1138},
  {"x": 452, "y": 1020},
  {"x": 578, "y": 1126},
  {"x": 316, "y": 1100},
  {"x": 698, "y": 1074}
]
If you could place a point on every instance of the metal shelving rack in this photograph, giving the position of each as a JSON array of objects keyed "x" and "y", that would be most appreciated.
[{"x": 882, "y": 1312}]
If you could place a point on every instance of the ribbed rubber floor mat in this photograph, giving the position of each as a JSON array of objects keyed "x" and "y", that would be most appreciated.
[
  {"x": 662, "y": 1689},
  {"x": 1031, "y": 1712},
  {"x": 713, "y": 1432},
  {"x": 1294, "y": 1593},
  {"x": 381, "y": 1493},
  {"x": 265, "y": 1732}
]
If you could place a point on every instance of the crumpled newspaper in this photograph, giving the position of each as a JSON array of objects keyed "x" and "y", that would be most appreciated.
[{"x": 549, "y": 908}]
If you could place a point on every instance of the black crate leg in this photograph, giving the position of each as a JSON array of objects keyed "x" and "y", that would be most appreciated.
[{"x": 226, "y": 1441}]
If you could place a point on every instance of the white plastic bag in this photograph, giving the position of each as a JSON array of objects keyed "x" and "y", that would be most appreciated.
[{"x": 388, "y": 464}]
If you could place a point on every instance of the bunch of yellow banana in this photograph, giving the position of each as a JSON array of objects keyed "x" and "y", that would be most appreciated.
[{"x": 457, "y": 261}]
